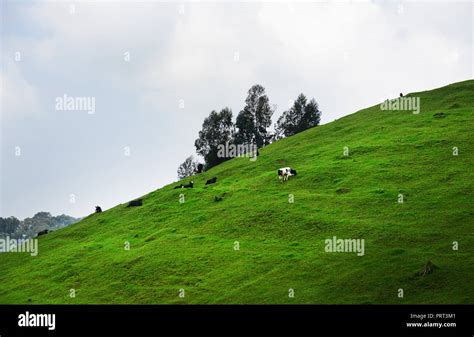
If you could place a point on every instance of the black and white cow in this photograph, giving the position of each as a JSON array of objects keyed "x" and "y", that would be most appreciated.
[
  {"x": 189, "y": 185},
  {"x": 286, "y": 172}
]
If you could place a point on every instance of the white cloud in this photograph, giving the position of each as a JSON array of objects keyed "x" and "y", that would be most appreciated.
[
  {"x": 347, "y": 56},
  {"x": 19, "y": 99}
]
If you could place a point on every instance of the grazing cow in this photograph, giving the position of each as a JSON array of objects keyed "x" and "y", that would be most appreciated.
[
  {"x": 211, "y": 181},
  {"x": 43, "y": 232},
  {"x": 180, "y": 186},
  {"x": 199, "y": 168},
  {"x": 286, "y": 172},
  {"x": 135, "y": 203},
  {"x": 189, "y": 185},
  {"x": 98, "y": 209}
]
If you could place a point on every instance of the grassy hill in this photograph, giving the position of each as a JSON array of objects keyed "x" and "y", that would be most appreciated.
[{"x": 190, "y": 245}]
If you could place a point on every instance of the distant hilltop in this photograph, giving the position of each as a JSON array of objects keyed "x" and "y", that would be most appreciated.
[{"x": 30, "y": 227}]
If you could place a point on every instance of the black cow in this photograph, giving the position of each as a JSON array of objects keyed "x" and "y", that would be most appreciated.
[
  {"x": 135, "y": 203},
  {"x": 211, "y": 181},
  {"x": 401, "y": 95},
  {"x": 43, "y": 232},
  {"x": 180, "y": 186},
  {"x": 98, "y": 209},
  {"x": 189, "y": 185},
  {"x": 199, "y": 168}
]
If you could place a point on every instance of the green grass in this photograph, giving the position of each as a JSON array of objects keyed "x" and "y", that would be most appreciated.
[{"x": 191, "y": 245}]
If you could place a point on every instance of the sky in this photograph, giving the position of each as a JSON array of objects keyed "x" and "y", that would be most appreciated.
[{"x": 155, "y": 70}]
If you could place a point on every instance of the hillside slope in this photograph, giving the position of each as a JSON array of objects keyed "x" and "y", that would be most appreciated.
[{"x": 190, "y": 245}]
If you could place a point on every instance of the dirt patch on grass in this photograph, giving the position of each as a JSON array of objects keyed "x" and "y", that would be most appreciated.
[{"x": 343, "y": 190}]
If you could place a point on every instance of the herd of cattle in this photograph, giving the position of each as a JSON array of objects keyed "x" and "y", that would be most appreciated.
[
  {"x": 191, "y": 183},
  {"x": 283, "y": 175}
]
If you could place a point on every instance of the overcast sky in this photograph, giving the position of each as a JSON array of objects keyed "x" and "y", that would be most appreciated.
[{"x": 346, "y": 55}]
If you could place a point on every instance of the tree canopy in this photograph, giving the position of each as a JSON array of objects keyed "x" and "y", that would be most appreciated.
[
  {"x": 301, "y": 116},
  {"x": 253, "y": 121},
  {"x": 217, "y": 129},
  {"x": 187, "y": 168}
]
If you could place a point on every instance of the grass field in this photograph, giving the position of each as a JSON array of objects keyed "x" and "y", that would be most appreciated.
[{"x": 190, "y": 245}]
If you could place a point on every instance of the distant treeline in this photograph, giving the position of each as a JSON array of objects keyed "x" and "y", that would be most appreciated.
[
  {"x": 251, "y": 127},
  {"x": 29, "y": 227}
]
